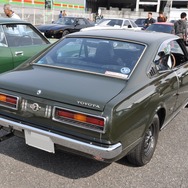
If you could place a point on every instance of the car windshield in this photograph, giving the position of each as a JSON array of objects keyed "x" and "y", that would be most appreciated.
[
  {"x": 65, "y": 21},
  {"x": 160, "y": 28},
  {"x": 106, "y": 57},
  {"x": 110, "y": 22}
]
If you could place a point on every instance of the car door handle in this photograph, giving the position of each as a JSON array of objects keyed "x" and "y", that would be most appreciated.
[{"x": 18, "y": 53}]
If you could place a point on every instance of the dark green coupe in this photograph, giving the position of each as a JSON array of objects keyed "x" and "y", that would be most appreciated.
[
  {"x": 101, "y": 94},
  {"x": 19, "y": 41}
]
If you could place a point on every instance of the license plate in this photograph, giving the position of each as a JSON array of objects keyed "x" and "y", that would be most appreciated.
[{"x": 39, "y": 141}]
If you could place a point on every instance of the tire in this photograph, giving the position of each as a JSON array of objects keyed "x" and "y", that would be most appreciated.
[
  {"x": 65, "y": 32},
  {"x": 144, "y": 151}
]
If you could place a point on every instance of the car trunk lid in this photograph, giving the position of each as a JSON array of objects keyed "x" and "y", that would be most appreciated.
[{"x": 70, "y": 87}]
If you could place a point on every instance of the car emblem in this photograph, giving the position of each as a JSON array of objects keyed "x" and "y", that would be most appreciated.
[
  {"x": 35, "y": 107},
  {"x": 88, "y": 104},
  {"x": 39, "y": 92}
]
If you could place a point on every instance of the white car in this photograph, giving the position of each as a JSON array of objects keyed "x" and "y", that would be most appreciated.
[{"x": 115, "y": 23}]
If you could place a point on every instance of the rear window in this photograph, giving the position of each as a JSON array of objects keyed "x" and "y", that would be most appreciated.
[
  {"x": 107, "y": 57},
  {"x": 160, "y": 28}
]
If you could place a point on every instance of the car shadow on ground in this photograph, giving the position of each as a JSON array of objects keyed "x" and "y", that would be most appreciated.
[{"x": 61, "y": 163}]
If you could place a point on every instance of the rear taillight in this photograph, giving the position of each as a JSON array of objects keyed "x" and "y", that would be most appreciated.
[
  {"x": 83, "y": 120},
  {"x": 8, "y": 101}
]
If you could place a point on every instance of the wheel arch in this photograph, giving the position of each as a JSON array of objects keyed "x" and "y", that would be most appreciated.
[
  {"x": 60, "y": 33},
  {"x": 161, "y": 112},
  {"x": 63, "y": 30}
]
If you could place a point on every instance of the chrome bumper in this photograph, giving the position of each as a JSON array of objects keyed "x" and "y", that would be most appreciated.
[{"x": 109, "y": 152}]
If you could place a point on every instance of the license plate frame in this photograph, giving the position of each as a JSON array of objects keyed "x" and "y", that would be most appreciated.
[{"x": 39, "y": 141}]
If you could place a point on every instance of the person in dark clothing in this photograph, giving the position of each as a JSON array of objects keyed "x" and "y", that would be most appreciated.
[
  {"x": 149, "y": 20},
  {"x": 98, "y": 17},
  {"x": 60, "y": 14},
  {"x": 161, "y": 17},
  {"x": 180, "y": 26}
]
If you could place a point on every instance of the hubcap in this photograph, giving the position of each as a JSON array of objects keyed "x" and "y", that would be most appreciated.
[{"x": 149, "y": 142}]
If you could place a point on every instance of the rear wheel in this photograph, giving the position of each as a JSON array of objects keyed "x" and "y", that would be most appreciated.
[{"x": 144, "y": 151}]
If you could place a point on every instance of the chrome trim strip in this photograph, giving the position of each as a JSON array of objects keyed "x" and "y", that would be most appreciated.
[
  {"x": 77, "y": 70},
  {"x": 24, "y": 105},
  {"x": 48, "y": 111},
  {"x": 109, "y": 152}
]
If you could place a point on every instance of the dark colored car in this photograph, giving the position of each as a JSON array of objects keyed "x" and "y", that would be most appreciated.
[
  {"x": 165, "y": 27},
  {"x": 103, "y": 94},
  {"x": 140, "y": 22},
  {"x": 64, "y": 26},
  {"x": 19, "y": 40}
]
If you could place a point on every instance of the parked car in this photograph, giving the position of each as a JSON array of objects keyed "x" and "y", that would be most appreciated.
[
  {"x": 140, "y": 22},
  {"x": 110, "y": 23},
  {"x": 165, "y": 27},
  {"x": 103, "y": 94},
  {"x": 64, "y": 26},
  {"x": 19, "y": 40}
]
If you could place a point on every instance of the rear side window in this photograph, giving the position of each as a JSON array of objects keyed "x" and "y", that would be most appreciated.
[
  {"x": 3, "y": 41},
  {"x": 170, "y": 50},
  {"x": 21, "y": 35}
]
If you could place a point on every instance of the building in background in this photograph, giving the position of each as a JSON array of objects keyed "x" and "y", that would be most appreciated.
[
  {"x": 76, "y": 5},
  {"x": 45, "y": 11},
  {"x": 93, "y": 5}
]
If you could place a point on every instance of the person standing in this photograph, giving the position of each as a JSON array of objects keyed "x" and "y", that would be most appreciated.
[
  {"x": 9, "y": 12},
  {"x": 98, "y": 17},
  {"x": 180, "y": 26},
  {"x": 60, "y": 14},
  {"x": 149, "y": 20},
  {"x": 64, "y": 13},
  {"x": 161, "y": 17}
]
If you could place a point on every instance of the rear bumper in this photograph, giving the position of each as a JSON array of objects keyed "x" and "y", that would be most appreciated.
[{"x": 99, "y": 152}]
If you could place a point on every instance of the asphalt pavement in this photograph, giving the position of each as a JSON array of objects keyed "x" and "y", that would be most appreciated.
[{"x": 22, "y": 166}]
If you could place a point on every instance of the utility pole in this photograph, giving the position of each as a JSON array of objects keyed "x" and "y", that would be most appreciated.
[{"x": 167, "y": 8}]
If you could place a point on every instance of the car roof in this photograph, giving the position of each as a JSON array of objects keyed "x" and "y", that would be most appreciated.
[
  {"x": 124, "y": 34},
  {"x": 71, "y": 17},
  {"x": 11, "y": 20},
  {"x": 140, "y": 19},
  {"x": 163, "y": 23},
  {"x": 116, "y": 19}
]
